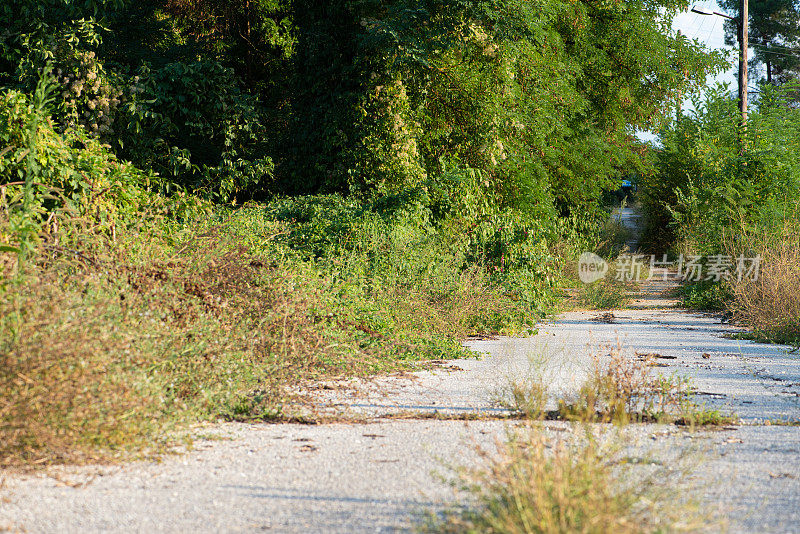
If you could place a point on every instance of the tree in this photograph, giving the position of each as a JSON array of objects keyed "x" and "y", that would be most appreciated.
[
  {"x": 774, "y": 33},
  {"x": 539, "y": 95}
]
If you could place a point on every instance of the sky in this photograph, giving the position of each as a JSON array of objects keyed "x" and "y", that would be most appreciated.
[{"x": 710, "y": 31}]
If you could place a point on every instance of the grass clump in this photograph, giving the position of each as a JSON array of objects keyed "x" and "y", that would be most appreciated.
[
  {"x": 620, "y": 388},
  {"x": 624, "y": 389},
  {"x": 614, "y": 289},
  {"x": 697, "y": 415},
  {"x": 535, "y": 484}
]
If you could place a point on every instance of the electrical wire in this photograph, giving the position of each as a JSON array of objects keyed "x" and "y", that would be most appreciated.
[
  {"x": 789, "y": 48},
  {"x": 711, "y": 32},
  {"x": 770, "y": 52}
]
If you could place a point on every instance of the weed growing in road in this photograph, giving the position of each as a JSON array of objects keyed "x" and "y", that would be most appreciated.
[
  {"x": 782, "y": 422},
  {"x": 580, "y": 483},
  {"x": 528, "y": 397},
  {"x": 587, "y": 478},
  {"x": 621, "y": 388},
  {"x": 614, "y": 237},
  {"x": 693, "y": 415}
]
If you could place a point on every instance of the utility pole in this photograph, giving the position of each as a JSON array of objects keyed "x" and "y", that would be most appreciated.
[
  {"x": 679, "y": 111},
  {"x": 744, "y": 18},
  {"x": 742, "y": 36}
]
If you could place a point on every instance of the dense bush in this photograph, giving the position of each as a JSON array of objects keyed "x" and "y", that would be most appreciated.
[
  {"x": 710, "y": 189},
  {"x": 723, "y": 191}
]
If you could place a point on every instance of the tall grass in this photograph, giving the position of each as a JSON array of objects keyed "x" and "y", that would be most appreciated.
[{"x": 770, "y": 303}]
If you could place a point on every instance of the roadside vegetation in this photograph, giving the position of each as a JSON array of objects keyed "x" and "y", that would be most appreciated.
[
  {"x": 205, "y": 206},
  {"x": 721, "y": 192}
]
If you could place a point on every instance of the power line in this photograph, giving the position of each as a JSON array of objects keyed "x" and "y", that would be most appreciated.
[
  {"x": 776, "y": 53},
  {"x": 713, "y": 27},
  {"x": 789, "y": 48}
]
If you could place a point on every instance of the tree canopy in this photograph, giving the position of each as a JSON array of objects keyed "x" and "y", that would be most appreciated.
[
  {"x": 248, "y": 98},
  {"x": 774, "y": 35}
]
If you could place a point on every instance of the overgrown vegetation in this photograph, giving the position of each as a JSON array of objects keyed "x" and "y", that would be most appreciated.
[
  {"x": 730, "y": 197},
  {"x": 125, "y": 312},
  {"x": 770, "y": 304},
  {"x": 206, "y": 204}
]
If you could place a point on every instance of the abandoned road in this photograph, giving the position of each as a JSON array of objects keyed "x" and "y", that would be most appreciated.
[{"x": 388, "y": 470}]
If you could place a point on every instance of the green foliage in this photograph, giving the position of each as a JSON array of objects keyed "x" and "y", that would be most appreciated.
[
  {"x": 362, "y": 97},
  {"x": 50, "y": 177},
  {"x": 507, "y": 88},
  {"x": 705, "y": 295},
  {"x": 723, "y": 191},
  {"x": 396, "y": 243},
  {"x": 191, "y": 123},
  {"x": 706, "y": 189}
]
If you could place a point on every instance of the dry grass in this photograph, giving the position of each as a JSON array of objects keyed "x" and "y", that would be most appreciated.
[
  {"x": 770, "y": 305},
  {"x": 99, "y": 362},
  {"x": 622, "y": 387},
  {"x": 105, "y": 352},
  {"x": 539, "y": 484}
]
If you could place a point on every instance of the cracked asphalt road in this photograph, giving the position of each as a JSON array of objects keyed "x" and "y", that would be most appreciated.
[{"x": 386, "y": 474}]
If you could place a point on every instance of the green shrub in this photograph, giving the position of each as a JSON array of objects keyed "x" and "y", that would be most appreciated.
[
  {"x": 705, "y": 295},
  {"x": 707, "y": 189}
]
